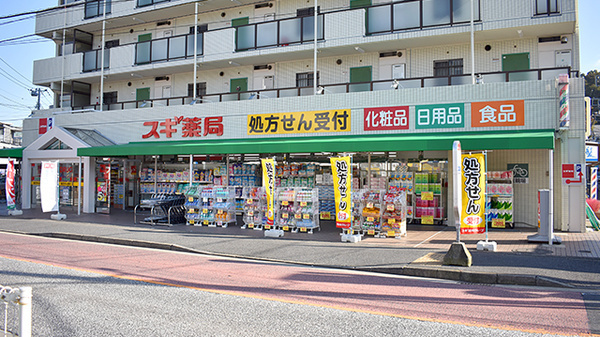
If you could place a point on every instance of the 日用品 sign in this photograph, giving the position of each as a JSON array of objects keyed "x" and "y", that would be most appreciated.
[{"x": 438, "y": 116}]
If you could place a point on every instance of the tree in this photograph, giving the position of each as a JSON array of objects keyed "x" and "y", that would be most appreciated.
[{"x": 592, "y": 84}]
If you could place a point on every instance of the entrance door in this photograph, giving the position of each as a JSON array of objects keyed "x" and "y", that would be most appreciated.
[
  {"x": 358, "y": 75},
  {"x": 142, "y": 94},
  {"x": 512, "y": 62},
  {"x": 103, "y": 169},
  {"x": 238, "y": 85}
]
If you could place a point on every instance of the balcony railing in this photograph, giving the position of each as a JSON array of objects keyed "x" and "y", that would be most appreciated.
[
  {"x": 421, "y": 82},
  {"x": 166, "y": 49},
  {"x": 278, "y": 33},
  {"x": 95, "y": 8},
  {"x": 93, "y": 58},
  {"x": 417, "y": 14}
]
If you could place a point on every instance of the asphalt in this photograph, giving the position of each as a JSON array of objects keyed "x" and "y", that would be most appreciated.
[{"x": 323, "y": 248}]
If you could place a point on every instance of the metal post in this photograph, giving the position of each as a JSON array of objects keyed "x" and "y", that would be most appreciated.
[
  {"x": 369, "y": 169},
  {"x": 472, "y": 47},
  {"x": 551, "y": 196},
  {"x": 25, "y": 311},
  {"x": 191, "y": 169},
  {"x": 195, "y": 50},
  {"x": 315, "y": 51},
  {"x": 62, "y": 74},
  {"x": 102, "y": 56},
  {"x": 155, "y": 172},
  {"x": 79, "y": 188}
]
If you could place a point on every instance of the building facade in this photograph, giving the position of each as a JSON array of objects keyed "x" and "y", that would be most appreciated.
[{"x": 154, "y": 82}]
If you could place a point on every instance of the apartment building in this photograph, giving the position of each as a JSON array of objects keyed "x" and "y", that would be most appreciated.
[{"x": 167, "y": 85}]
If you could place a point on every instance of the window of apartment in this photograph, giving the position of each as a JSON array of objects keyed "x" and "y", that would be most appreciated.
[
  {"x": 306, "y": 79},
  {"x": 111, "y": 44},
  {"x": 447, "y": 68},
  {"x": 142, "y": 3},
  {"x": 546, "y": 7},
  {"x": 95, "y": 8},
  {"x": 110, "y": 97},
  {"x": 200, "y": 89},
  {"x": 166, "y": 49}
]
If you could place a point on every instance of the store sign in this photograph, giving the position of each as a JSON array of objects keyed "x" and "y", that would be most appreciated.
[
  {"x": 473, "y": 194},
  {"x": 190, "y": 127},
  {"x": 342, "y": 186},
  {"x": 10, "y": 185},
  {"x": 299, "y": 122},
  {"x": 572, "y": 174},
  {"x": 591, "y": 153},
  {"x": 49, "y": 186},
  {"x": 501, "y": 113},
  {"x": 268, "y": 166},
  {"x": 386, "y": 118},
  {"x": 438, "y": 116},
  {"x": 45, "y": 124},
  {"x": 520, "y": 173}
]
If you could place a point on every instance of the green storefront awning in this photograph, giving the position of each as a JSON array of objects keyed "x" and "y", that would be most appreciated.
[
  {"x": 515, "y": 140},
  {"x": 16, "y": 152}
]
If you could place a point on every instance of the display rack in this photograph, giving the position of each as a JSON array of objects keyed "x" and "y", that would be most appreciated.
[
  {"x": 255, "y": 207},
  {"x": 499, "y": 199},
  {"x": 371, "y": 211},
  {"x": 403, "y": 180},
  {"x": 164, "y": 209},
  {"x": 326, "y": 202},
  {"x": 223, "y": 206},
  {"x": 306, "y": 210},
  {"x": 198, "y": 204},
  {"x": 428, "y": 198},
  {"x": 296, "y": 175},
  {"x": 357, "y": 208},
  {"x": 284, "y": 208},
  {"x": 393, "y": 219}
]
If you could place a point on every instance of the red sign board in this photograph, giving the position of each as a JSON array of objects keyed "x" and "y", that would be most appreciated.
[
  {"x": 568, "y": 171},
  {"x": 386, "y": 118}
]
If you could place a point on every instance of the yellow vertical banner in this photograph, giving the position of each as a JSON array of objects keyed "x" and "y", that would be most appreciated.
[
  {"x": 342, "y": 186},
  {"x": 473, "y": 194},
  {"x": 268, "y": 166}
]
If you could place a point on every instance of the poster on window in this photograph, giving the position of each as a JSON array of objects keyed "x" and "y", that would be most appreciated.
[
  {"x": 268, "y": 166},
  {"x": 342, "y": 179},
  {"x": 473, "y": 194},
  {"x": 49, "y": 186},
  {"x": 10, "y": 185}
]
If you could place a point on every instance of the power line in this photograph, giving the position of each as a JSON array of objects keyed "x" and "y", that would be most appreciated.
[
  {"x": 10, "y": 78},
  {"x": 15, "y": 70}
]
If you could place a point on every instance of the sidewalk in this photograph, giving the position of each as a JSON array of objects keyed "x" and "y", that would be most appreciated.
[{"x": 574, "y": 263}]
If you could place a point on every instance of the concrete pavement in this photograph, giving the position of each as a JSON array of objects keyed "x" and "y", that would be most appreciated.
[{"x": 575, "y": 263}]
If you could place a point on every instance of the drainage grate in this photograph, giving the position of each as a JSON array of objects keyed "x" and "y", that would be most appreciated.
[{"x": 585, "y": 251}]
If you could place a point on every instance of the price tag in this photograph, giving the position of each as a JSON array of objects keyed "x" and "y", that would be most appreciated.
[
  {"x": 220, "y": 211},
  {"x": 284, "y": 215},
  {"x": 325, "y": 215},
  {"x": 391, "y": 220},
  {"x": 251, "y": 225},
  {"x": 204, "y": 210},
  {"x": 205, "y": 222},
  {"x": 391, "y": 233},
  {"x": 305, "y": 216},
  {"x": 498, "y": 223},
  {"x": 303, "y": 229},
  {"x": 427, "y": 220},
  {"x": 369, "y": 205},
  {"x": 303, "y": 203},
  {"x": 390, "y": 207},
  {"x": 191, "y": 222},
  {"x": 286, "y": 228},
  {"x": 297, "y": 216},
  {"x": 219, "y": 200},
  {"x": 191, "y": 199},
  {"x": 370, "y": 219},
  {"x": 371, "y": 232},
  {"x": 285, "y": 203},
  {"x": 267, "y": 226},
  {"x": 250, "y": 213},
  {"x": 249, "y": 201},
  {"x": 219, "y": 223},
  {"x": 191, "y": 210},
  {"x": 204, "y": 199},
  {"x": 427, "y": 195}
]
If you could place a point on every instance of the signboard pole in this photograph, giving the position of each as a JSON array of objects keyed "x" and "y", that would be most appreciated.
[{"x": 456, "y": 188}]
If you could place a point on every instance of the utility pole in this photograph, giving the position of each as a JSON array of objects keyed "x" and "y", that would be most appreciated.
[{"x": 37, "y": 92}]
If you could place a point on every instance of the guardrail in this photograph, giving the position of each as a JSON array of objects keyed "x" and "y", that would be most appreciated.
[{"x": 21, "y": 297}]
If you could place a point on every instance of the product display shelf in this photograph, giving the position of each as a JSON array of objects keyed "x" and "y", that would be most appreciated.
[
  {"x": 199, "y": 205},
  {"x": 255, "y": 208},
  {"x": 284, "y": 208},
  {"x": 428, "y": 198},
  {"x": 357, "y": 208},
  {"x": 326, "y": 202},
  {"x": 306, "y": 210},
  {"x": 170, "y": 179},
  {"x": 404, "y": 180},
  {"x": 296, "y": 175},
  {"x": 393, "y": 219},
  {"x": 499, "y": 199},
  {"x": 371, "y": 202},
  {"x": 223, "y": 206}
]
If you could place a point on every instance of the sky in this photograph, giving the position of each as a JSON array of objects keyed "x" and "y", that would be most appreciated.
[{"x": 17, "y": 57}]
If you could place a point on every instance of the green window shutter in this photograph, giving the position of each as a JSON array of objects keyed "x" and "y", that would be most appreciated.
[
  {"x": 142, "y": 94},
  {"x": 242, "y": 83},
  {"x": 360, "y": 74},
  {"x": 239, "y": 22},
  {"x": 144, "y": 37},
  {"x": 511, "y": 62},
  {"x": 359, "y": 3}
]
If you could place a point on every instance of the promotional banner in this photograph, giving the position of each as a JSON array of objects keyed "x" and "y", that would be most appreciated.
[
  {"x": 10, "y": 185},
  {"x": 268, "y": 166},
  {"x": 473, "y": 194},
  {"x": 49, "y": 186},
  {"x": 342, "y": 181}
]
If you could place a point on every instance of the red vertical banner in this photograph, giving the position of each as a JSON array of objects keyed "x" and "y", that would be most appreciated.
[
  {"x": 43, "y": 126},
  {"x": 10, "y": 185}
]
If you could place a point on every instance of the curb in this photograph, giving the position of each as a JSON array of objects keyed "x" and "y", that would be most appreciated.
[{"x": 409, "y": 270}]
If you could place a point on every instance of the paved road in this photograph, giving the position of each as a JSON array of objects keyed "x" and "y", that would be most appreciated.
[{"x": 271, "y": 298}]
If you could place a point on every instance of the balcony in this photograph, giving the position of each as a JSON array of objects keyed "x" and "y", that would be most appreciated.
[
  {"x": 166, "y": 49},
  {"x": 93, "y": 58},
  {"x": 96, "y": 8},
  {"x": 278, "y": 33},
  {"x": 399, "y": 84}
]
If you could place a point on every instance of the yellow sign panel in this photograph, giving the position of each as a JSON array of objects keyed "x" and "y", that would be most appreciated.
[
  {"x": 268, "y": 166},
  {"x": 427, "y": 195},
  {"x": 473, "y": 194},
  {"x": 299, "y": 122},
  {"x": 341, "y": 171},
  {"x": 427, "y": 220},
  {"x": 498, "y": 223}
]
